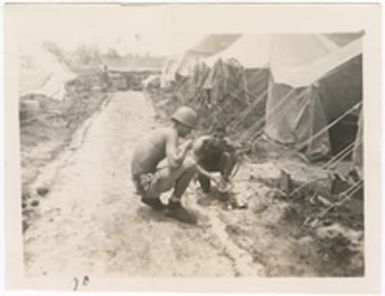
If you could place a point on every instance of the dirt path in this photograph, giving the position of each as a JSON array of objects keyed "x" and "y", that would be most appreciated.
[{"x": 91, "y": 222}]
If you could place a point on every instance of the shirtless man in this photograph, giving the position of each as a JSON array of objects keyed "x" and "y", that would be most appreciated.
[
  {"x": 151, "y": 181},
  {"x": 214, "y": 153}
]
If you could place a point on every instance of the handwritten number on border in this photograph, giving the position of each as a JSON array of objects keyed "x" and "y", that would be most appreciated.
[{"x": 84, "y": 282}]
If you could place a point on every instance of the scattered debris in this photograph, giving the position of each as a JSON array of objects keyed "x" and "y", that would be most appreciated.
[
  {"x": 25, "y": 226},
  {"x": 273, "y": 194},
  {"x": 324, "y": 201},
  {"x": 25, "y": 195},
  {"x": 35, "y": 203},
  {"x": 285, "y": 182},
  {"x": 42, "y": 191}
]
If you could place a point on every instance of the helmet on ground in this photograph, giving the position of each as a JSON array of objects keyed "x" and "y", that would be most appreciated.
[{"x": 186, "y": 116}]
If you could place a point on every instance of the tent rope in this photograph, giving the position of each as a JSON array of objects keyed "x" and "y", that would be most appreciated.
[
  {"x": 327, "y": 127},
  {"x": 249, "y": 131},
  {"x": 347, "y": 196},
  {"x": 234, "y": 93},
  {"x": 341, "y": 155},
  {"x": 247, "y": 111},
  {"x": 326, "y": 166},
  {"x": 352, "y": 189},
  {"x": 269, "y": 114}
]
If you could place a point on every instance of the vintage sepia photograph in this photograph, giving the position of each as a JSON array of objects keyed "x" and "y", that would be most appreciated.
[{"x": 188, "y": 154}]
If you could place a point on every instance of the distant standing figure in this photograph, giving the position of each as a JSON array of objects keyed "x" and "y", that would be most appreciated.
[
  {"x": 150, "y": 180},
  {"x": 105, "y": 78}
]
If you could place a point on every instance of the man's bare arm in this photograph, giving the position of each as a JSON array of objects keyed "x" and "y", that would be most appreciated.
[{"x": 176, "y": 155}]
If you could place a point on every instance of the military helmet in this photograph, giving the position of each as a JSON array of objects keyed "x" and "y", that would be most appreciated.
[{"x": 186, "y": 116}]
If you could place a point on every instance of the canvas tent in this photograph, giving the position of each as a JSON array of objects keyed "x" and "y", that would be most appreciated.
[
  {"x": 184, "y": 63},
  {"x": 251, "y": 51},
  {"x": 40, "y": 72},
  {"x": 199, "y": 75},
  {"x": 250, "y": 54},
  {"x": 226, "y": 81},
  {"x": 309, "y": 80},
  {"x": 235, "y": 79},
  {"x": 168, "y": 72},
  {"x": 315, "y": 80}
]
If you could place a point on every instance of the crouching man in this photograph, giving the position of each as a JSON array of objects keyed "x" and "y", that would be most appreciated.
[
  {"x": 151, "y": 181},
  {"x": 214, "y": 153}
]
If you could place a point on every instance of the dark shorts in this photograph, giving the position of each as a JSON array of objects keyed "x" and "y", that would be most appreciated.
[{"x": 223, "y": 163}]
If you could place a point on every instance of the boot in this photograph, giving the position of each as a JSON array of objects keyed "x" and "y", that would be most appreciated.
[
  {"x": 177, "y": 211},
  {"x": 154, "y": 203}
]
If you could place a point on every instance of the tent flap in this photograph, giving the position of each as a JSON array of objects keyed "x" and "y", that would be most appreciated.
[{"x": 40, "y": 72}]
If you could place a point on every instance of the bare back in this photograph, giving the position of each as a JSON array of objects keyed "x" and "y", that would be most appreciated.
[{"x": 150, "y": 151}]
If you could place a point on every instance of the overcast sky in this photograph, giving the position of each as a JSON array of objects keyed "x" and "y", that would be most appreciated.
[
  {"x": 139, "y": 43},
  {"x": 134, "y": 29}
]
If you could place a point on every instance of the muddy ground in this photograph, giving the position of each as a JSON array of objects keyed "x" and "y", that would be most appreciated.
[{"x": 90, "y": 221}]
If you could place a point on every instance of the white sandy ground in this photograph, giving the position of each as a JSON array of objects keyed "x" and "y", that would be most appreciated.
[{"x": 91, "y": 222}]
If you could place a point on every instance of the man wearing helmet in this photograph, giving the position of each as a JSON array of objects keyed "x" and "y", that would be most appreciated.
[{"x": 150, "y": 180}]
